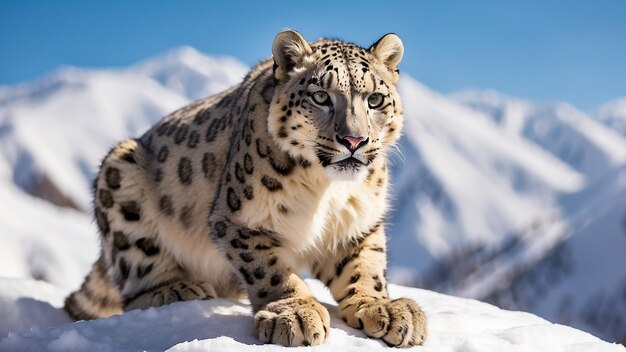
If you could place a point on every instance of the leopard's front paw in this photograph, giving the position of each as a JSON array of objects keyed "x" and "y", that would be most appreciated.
[
  {"x": 400, "y": 322},
  {"x": 297, "y": 321}
]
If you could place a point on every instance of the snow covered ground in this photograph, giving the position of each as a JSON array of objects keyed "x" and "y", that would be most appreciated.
[
  {"x": 455, "y": 324},
  {"x": 494, "y": 198}
]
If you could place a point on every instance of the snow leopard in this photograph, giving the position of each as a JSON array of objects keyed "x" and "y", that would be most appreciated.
[{"x": 237, "y": 194}]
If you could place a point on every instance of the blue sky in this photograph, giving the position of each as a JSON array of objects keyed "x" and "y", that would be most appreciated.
[{"x": 542, "y": 50}]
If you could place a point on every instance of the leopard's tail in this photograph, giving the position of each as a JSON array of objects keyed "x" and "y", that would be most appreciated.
[{"x": 96, "y": 298}]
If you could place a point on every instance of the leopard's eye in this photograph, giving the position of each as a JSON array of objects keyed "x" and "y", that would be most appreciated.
[
  {"x": 375, "y": 100},
  {"x": 321, "y": 98}
]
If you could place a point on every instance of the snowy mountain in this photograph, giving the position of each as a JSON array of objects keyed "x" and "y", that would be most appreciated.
[
  {"x": 493, "y": 197},
  {"x": 56, "y": 130},
  {"x": 569, "y": 270},
  {"x": 581, "y": 279},
  {"x": 565, "y": 267},
  {"x": 191, "y": 74},
  {"x": 463, "y": 182}
]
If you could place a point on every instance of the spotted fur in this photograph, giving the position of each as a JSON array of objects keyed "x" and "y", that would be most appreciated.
[{"x": 239, "y": 192}]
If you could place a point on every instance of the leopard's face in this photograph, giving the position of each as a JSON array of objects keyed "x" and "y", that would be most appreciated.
[{"x": 338, "y": 108}]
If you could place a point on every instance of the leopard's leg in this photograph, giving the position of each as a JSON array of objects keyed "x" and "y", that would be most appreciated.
[
  {"x": 285, "y": 311},
  {"x": 148, "y": 276},
  {"x": 356, "y": 278},
  {"x": 143, "y": 272}
]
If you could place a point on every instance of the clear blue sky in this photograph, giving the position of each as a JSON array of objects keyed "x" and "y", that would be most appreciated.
[{"x": 543, "y": 50}]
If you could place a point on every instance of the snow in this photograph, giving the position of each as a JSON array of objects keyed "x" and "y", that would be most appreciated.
[
  {"x": 496, "y": 198},
  {"x": 26, "y": 304},
  {"x": 455, "y": 324}
]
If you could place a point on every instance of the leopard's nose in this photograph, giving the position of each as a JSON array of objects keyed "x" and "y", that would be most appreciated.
[{"x": 351, "y": 142}]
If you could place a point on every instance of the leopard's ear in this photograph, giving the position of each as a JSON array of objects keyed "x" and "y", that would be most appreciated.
[
  {"x": 289, "y": 51},
  {"x": 389, "y": 50}
]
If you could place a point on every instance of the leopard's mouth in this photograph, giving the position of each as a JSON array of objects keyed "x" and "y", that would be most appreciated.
[{"x": 349, "y": 162}]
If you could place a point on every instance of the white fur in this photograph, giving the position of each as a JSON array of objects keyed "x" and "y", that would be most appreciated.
[{"x": 323, "y": 213}]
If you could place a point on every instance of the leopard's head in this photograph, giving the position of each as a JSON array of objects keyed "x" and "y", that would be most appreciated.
[{"x": 336, "y": 103}]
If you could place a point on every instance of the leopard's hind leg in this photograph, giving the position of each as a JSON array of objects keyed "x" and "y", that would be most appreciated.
[{"x": 135, "y": 271}]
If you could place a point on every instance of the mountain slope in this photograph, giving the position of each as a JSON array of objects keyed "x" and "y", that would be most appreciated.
[{"x": 559, "y": 128}]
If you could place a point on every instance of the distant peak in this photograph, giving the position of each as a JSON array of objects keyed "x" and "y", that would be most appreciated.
[
  {"x": 184, "y": 52},
  {"x": 183, "y": 55},
  {"x": 614, "y": 109},
  {"x": 186, "y": 58}
]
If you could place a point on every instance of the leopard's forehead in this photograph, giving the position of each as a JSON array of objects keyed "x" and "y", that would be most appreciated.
[
  {"x": 336, "y": 49},
  {"x": 347, "y": 67}
]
